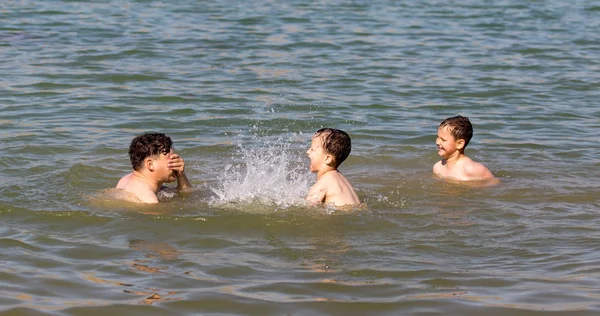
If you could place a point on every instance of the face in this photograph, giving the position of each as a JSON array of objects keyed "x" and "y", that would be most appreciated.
[
  {"x": 447, "y": 145},
  {"x": 161, "y": 168},
  {"x": 316, "y": 154}
]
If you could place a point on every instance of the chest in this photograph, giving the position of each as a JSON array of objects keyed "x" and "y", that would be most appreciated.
[{"x": 456, "y": 171}]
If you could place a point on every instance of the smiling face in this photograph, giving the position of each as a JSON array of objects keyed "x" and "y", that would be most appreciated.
[
  {"x": 448, "y": 146},
  {"x": 317, "y": 154}
]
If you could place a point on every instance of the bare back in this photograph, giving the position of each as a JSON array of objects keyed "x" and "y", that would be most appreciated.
[
  {"x": 333, "y": 189},
  {"x": 137, "y": 188}
]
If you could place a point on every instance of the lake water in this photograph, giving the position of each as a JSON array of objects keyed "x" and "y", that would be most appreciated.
[{"x": 241, "y": 86}]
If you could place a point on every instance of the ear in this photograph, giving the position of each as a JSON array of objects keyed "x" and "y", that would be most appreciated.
[
  {"x": 149, "y": 163},
  {"x": 460, "y": 144},
  {"x": 329, "y": 160}
]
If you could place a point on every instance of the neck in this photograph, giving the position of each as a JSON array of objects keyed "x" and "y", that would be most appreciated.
[
  {"x": 153, "y": 185},
  {"x": 452, "y": 160},
  {"x": 320, "y": 174}
]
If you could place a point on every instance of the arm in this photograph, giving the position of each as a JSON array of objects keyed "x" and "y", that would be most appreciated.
[
  {"x": 316, "y": 195},
  {"x": 177, "y": 164},
  {"x": 183, "y": 184}
]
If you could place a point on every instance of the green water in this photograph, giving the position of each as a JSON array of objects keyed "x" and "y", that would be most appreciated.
[{"x": 241, "y": 87}]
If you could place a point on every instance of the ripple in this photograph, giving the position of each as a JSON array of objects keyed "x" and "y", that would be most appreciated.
[{"x": 241, "y": 89}]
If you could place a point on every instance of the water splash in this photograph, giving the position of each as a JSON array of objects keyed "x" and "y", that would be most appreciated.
[{"x": 266, "y": 172}]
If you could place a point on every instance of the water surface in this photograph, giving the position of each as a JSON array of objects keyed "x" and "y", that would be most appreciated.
[{"x": 241, "y": 87}]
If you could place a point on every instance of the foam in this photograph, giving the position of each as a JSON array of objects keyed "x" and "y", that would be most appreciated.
[{"x": 265, "y": 172}]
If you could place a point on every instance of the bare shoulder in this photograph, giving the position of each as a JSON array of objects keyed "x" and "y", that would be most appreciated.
[
  {"x": 334, "y": 181},
  {"x": 476, "y": 170},
  {"x": 317, "y": 193},
  {"x": 124, "y": 181},
  {"x": 320, "y": 188},
  {"x": 437, "y": 167},
  {"x": 138, "y": 189},
  {"x": 340, "y": 191}
]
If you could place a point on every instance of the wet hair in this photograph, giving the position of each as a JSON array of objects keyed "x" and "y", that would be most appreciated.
[
  {"x": 336, "y": 143},
  {"x": 146, "y": 145},
  {"x": 460, "y": 127}
]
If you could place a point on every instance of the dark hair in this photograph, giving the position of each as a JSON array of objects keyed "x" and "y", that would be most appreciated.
[
  {"x": 335, "y": 142},
  {"x": 146, "y": 145},
  {"x": 460, "y": 127}
]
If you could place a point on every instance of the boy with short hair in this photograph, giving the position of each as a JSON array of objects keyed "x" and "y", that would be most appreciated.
[
  {"x": 454, "y": 134},
  {"x": 329, "y": 148},
  {"x": 154, "y": 163}
]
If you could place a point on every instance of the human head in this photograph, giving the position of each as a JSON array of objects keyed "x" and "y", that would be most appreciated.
[
  {"x": 459, "y": 127},
  {"x": 336, "y": 143},
  {"x": 148, "y": 145}
]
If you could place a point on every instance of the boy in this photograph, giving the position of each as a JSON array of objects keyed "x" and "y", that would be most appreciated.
[
  {"x": 454, "y": 134},
  {"x": 328, "y": 149},
  {"x": 154, "y": 163}
]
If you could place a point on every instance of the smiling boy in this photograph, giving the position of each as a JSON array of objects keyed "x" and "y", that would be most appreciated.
[
  {"x": 329, "y": 148},
  {"x": 154, "y": 163},
  {"x": 454, "y": 134}
]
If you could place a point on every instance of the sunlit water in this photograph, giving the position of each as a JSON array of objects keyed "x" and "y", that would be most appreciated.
[
  {"x": 241, "y": 87},
  {"x": 266, "y": 173}
]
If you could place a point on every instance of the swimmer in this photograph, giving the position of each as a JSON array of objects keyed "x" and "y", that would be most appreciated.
[
  {"x": 154, "y": 163},
  {"x": 453, "y": 136},
  {"x": 329, "y": 148}
]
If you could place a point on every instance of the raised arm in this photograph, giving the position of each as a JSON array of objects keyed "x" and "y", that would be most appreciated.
[{"x": 177, "y": 164}]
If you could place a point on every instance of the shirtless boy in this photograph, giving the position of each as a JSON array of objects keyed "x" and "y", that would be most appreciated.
[
  {"x": 154, "y": 163},
  {"x": 328, "y": 149},
  {"x": 454, "y": 134}
]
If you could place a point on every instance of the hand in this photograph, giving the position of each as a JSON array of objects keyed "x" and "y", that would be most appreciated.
[{"x": 176, "y": 164}]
